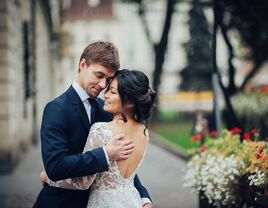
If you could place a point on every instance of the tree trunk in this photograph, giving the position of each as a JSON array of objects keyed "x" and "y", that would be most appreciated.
[
  {"x": 160, "y": 48},
  {"x": 231, "y": 88},
  {"x": 232, "y": 120}
]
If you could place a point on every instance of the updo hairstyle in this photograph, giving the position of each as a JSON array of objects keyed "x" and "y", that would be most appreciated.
[{"x": 133, "y": 87}]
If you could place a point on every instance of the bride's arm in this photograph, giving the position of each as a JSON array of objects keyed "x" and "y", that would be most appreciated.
[{"x": 94, "y": 141}]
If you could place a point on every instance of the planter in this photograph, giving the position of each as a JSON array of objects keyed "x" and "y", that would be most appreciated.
[{"x": 253, "y": 196}]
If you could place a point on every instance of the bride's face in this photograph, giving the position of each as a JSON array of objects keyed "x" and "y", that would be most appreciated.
[{"x": 112, "y": 102}]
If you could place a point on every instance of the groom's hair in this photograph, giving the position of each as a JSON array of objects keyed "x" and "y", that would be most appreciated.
[{"x": 101, "y": 52}]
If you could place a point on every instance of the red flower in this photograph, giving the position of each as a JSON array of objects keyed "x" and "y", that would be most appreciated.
[
  {"x": 235, "y": 131},
  {"x": 266, "y": 139},
  {"x": 203, "y": 148},
  {"x": 254, "y": 131},
  {"x": 213, "y": 134},
  {"x": 246, "y": 136},
  {"x": 260, "y": 152},
  {"x": 264, "y": 158},
  {"x": 197, "y": 137}
]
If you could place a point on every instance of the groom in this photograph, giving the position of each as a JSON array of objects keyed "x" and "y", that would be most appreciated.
[{"x": 66, "y": 124}]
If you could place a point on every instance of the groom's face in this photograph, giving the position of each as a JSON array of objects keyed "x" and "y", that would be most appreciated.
[{"x": 94, "y": 78}]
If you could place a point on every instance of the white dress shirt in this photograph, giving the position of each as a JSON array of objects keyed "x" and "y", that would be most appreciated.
[{"x": 84, "y": 98}]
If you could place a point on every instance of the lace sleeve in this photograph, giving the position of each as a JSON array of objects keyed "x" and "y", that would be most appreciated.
[{"x": 95, "y": 139}]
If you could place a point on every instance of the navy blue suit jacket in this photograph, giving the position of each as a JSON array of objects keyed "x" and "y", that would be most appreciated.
[{"x": 64, "y": 131}]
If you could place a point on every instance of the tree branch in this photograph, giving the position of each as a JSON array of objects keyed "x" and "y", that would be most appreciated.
[{"x": 251, "y": 74}]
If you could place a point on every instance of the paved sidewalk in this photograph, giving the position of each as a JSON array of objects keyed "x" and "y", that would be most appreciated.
[
  {"x": 20, "y": 189},
  {"x": 161, "y": 173}
]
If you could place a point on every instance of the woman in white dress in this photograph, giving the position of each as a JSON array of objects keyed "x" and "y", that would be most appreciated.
[{"x": 130, "y": 99}]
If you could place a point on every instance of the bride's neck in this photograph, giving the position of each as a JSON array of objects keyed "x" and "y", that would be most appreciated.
[{"x": 129, "y": 119}]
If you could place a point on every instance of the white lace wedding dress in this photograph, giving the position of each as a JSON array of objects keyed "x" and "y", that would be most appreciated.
[{"x": 108, "y": 189}]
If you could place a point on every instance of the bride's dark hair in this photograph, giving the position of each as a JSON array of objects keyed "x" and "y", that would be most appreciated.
[{"x": 133, "y": 88}]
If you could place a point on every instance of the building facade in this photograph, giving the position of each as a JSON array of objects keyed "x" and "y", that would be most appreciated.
[{"x": 27, "y": 79}]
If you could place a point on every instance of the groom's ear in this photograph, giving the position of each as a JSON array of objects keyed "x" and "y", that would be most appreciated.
[{"x": 83, "y": 64}]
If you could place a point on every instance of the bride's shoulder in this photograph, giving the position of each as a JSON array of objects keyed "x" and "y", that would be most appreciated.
[
  {"x": 101, "y": 128},
  {"x": 98, "y": 125}
]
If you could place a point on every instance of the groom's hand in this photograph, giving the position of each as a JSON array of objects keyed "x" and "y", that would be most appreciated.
[{"x": 119, "y": 147}]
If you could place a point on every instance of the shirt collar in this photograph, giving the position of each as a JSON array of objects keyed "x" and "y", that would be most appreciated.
[{"x": 80, "y": 91}]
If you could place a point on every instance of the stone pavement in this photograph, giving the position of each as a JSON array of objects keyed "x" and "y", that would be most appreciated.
[{"x": 161, "y": 173}]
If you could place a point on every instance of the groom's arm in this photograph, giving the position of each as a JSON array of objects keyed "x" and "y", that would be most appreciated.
[
  {"x": 58, "y": 163},
  {"x": 142, "y": 191}
]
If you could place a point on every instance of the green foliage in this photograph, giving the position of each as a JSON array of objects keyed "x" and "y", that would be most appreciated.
[
  {"x": 227, "y": 144},
  {"x": 196, "y": 75},
  {"x": 252, "y": 111},
  {"x": 176, "y": 130}
]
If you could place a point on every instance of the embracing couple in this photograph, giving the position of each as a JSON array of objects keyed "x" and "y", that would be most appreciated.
[{"x": 91, "y": 149}]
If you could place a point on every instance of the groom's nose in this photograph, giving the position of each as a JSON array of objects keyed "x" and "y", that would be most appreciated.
[{"x": 103, "y": 83}]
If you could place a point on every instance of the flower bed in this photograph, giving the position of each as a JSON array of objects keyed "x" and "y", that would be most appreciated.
[{"x": 221, "y": 164}]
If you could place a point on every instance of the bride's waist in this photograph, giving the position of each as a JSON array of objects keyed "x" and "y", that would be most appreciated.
[{"x": 115, "y": 188}]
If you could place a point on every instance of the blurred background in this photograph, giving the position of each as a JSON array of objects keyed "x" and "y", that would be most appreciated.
[{"x": 207, "y": 60}]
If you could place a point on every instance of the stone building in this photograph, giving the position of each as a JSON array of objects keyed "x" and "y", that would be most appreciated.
[{"x": 28, "y": 58}]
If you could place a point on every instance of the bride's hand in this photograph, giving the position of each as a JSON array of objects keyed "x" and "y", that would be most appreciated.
[
  {"x": 148, "y": 205},
  {"x": 119, "y": 147},
  {"x": 43, "y": 177}
]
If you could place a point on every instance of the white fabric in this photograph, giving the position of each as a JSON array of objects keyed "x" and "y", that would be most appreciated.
[{"x": 109, "y": 189}]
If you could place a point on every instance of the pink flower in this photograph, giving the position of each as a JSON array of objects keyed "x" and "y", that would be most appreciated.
[
  {"x": 213, "y": 134},
  {"x": 246, "y": 136},
  {"x": 254, "y": 131},
  {"x": 203, "y": 148},
  {"x": 235, "y": 131},
  {"x": 197, "y": 137}
]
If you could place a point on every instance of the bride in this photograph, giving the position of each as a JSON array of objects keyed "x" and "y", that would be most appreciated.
[{"x": 130, "y": 99}]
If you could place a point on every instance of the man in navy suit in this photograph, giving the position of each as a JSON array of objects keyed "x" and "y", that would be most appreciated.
[{"x": 66, "y": 124}]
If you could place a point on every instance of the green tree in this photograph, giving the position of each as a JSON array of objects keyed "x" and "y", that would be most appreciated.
[
  {"x": 196, "y": 75},
  {"x": 249, "y": 21}
]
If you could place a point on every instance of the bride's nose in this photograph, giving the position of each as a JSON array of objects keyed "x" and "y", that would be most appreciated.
[{"x": 106, "y": 95}]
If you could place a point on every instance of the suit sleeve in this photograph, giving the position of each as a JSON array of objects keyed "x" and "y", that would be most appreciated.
[
  {"x": 94, "y": 141},
  {"x": 58, "y": 163},
  {"x": 141, "y": 189}
]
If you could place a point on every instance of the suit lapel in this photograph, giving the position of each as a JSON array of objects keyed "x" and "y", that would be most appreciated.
[{"x": 78, "y": 106}]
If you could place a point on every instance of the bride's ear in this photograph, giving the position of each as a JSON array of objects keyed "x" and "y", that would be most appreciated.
[{"x": 129, "y": 105}]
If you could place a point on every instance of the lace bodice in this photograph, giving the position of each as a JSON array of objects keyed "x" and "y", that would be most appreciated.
[{"x": 109, "y": 188}]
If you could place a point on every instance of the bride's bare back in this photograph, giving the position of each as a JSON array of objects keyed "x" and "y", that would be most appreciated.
[{"x": 133, "y": 131}]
